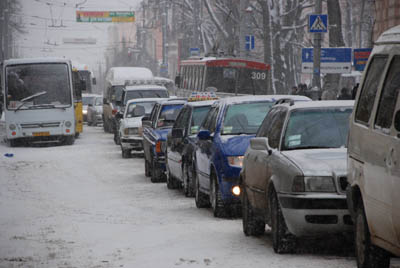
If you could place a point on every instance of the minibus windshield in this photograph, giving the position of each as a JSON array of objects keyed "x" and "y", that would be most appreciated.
[{"x": 25, "y": 80}]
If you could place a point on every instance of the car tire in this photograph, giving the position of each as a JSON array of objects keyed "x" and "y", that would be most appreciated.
[
  {"x": 367, "y": 255},
  {"x": 216, "y": 201},
  {"x": 13, "y": 143},
  {"x": 147, "y": 171},
  {"x": 172, "y": 183},
  {"x": 156, "y": 175},
  {"x": 69, "y": 140},
  {"x": 252, "y": 226},
  {"x": 200, "y": 198},
  {"x": 125, "y": 153},
  {"x": 282, "y": 241},
  {"x": 187, "y": 181}
]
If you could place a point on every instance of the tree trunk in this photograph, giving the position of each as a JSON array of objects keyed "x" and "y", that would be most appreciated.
[{"x": 331, "y": 81}]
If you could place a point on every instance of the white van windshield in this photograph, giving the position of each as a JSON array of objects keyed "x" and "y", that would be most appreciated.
[{"x": 37, "y": 85}]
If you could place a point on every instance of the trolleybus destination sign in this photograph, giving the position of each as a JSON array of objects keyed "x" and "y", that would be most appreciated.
[{"x": 105, "y": 16}]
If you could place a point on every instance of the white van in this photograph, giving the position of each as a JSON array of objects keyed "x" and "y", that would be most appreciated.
[
  {"x": 38, "y": 101},
  {"x": 374, "y": 156},
  {"x": 114, "y": 85}
]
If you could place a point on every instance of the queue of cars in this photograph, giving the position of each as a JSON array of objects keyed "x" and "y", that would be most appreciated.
[{"x": 306, "y": 168}]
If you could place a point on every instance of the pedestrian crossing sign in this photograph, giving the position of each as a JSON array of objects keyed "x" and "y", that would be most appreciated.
[{"x": 318, "y": 23}]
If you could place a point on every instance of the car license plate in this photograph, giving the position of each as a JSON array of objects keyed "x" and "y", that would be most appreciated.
[{"x": 41, "y": 134}]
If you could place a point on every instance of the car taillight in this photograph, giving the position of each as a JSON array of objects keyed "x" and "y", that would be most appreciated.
[{"x": 158, "y": 147}]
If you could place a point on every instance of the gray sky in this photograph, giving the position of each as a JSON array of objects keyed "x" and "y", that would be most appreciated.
[{"x": 38, "y": 15}]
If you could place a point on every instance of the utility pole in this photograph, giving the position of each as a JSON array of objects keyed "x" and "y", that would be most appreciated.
[
  {"x": 196, "y": 32},
  {"x": 164, "y": 15},
  {"x": 317, "y": 50},
  {"x": 2, "y": 7}
]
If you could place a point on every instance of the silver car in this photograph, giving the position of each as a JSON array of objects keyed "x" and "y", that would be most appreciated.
[
  {"x": 95, "y": 111},
  {"x": 294, "y": 173}
]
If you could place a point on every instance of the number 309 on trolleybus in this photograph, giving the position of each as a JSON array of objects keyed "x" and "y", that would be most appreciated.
[
  {"x": 38, "y": 101},
  {"x": 229, "y": 76}
]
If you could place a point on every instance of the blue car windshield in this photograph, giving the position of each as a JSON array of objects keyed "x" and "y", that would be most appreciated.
[
  {"x": 168, "y": 115},
  {"x": 199, "y": 113},
  {"x": 245, "y": 118},
  {"x": 317, "y": 128}
]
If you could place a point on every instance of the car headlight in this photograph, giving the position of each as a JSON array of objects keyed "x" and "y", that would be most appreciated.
[
  {"x": 84, "y": 111},
  {"x": 131, "y": 131},
  {"x": 313, "y": 184},
  {"x": 68, "y": 124},
  {"x": 236, "y": 161},
  {"x": 12, "y": 127}
]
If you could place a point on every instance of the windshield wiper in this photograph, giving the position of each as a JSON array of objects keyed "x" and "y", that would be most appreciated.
[{"x": 29, "y": 98}]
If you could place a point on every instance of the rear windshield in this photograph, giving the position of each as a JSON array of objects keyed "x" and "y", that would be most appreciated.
[
  {"x": 168, "y": 115},
  {"x": 317, "y": 128},
  {"x": 245, "y": 118},
  {"x": 199, "y": 113},
  {"x": 147, "y": 106},
  {"x": 88, "y": 99},
  {"x": 139, "y": 94}
]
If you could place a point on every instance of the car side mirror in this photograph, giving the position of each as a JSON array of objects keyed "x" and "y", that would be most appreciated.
[
  {"x": 260, "y": 144},
  {"x": 177, "y": 133},
  {"x": 90, "y": 105},
  {"x": 94, "y": 80},
  {"x": 397, "y": 121},
  {"x": 204, "y": 135}
]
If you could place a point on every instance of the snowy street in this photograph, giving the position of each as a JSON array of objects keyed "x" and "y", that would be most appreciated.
[{"x": 85, "y": 206}]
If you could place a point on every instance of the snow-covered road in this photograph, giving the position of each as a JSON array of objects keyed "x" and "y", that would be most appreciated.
[{"x": 85, "y": 206}]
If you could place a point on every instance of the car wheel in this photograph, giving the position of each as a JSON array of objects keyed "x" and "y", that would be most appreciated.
[
  {"x": 282, "y": 240},
  {"x": 367, "y": 255},
  {"x": 156, "y": 174},
  {"x": 69, "y": 140},
  {"x": 13, "y": 142},
  {"x": 217, "y": 204},
  {"x": 252, "y": 226},
  {"x": 187, "y": 181},
  {"x": 172, "y": 183},
  {"x": 117, "y": 140},
  {"x": 125, "y": 153},
  {"x": 200, "y": 198},
  {"x": 147, "y": 172}
]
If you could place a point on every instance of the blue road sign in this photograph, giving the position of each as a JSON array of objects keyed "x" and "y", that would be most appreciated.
[
  {"x": 318, "y": 23},
  {"x": 249, "y": 42},
  {"x": 194, "y": 51},
  {"x": 361, "y": 56},
  {"x": 333, "y": 60}
]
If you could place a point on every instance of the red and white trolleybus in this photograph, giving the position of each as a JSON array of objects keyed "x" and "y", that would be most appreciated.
[{"x": 230, "y": 76}]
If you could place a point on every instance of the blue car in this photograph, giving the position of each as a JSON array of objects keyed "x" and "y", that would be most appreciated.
[
  {"x": 222, "y": 141},
  {"x": 155, "y": 130}
]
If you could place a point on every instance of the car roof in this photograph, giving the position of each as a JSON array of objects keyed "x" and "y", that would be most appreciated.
[
  {"x": 255, "y": 98},
  {"x": 90, "y": 95},
  {"x": 200, "y": 103},
  {"x": 145, "y": 100},
  {"x": 37, "y": 60},
  {"x": 145, "y": 87},
  {"x": 318, "y": 104},
  {"x": 390, "y": 36},
  {"x": 173, "y": 102}
]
